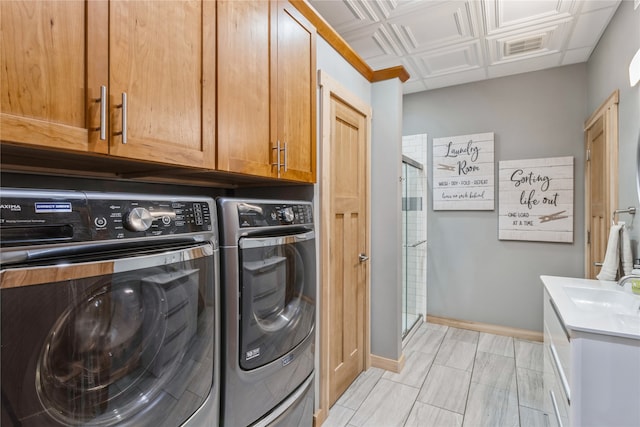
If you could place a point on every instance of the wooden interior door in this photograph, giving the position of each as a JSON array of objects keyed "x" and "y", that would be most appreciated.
[
  {"x": 162, "y": 55},
  {"x": 598, "y": 221},
  {"x": 601, "y": 139},
  {"x": 348, "y": 245}
]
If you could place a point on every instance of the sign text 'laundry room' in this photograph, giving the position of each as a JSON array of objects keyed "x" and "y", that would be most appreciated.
[{"x": 463, "y": 172}]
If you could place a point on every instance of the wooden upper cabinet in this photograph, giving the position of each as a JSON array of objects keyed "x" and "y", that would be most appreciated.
[
  {"x": 296, "y": 94},
  {"x": 162, "y": 58},
  {"x": 266, "y": 90},
  {"x": 56, "y": 56},
  {"x": 159, "y": 64},
  {"x": 44, "y": 63},
  {"x": 244, "y": 91}
]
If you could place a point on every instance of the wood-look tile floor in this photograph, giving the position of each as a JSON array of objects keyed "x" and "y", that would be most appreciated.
[{"x": 452, "y": 377}]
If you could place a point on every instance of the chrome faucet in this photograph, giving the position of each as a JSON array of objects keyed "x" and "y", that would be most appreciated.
[{"x": 626, "y": 278}]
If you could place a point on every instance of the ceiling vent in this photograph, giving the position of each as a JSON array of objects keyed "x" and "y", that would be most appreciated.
[{"x": 518, "y": 47}]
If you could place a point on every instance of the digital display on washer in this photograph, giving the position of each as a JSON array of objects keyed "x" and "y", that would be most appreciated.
[{"x": 37, "y": 218}]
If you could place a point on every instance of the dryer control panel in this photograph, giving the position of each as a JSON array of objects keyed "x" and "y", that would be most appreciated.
[{"x": 273, "y": 214}]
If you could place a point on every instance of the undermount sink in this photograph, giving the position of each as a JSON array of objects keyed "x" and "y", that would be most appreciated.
[
  {"x": 595, "y": 306},
  {"x": 605, "y": 301}
]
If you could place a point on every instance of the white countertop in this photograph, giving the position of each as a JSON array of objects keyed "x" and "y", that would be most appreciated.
[{"x": 594, "y": 321}]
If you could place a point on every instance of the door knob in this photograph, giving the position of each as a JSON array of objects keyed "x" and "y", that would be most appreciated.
[{"x": 363, "y": 257}]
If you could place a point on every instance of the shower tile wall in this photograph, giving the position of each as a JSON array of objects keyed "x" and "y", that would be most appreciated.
[{"x": 415, "y": 147}]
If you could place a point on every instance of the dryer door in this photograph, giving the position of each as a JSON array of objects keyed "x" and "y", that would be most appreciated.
[{"x": 277, "y": 309}]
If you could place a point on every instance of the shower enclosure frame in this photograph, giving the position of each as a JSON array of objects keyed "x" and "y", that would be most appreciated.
[{"x": 413, "y": 244}]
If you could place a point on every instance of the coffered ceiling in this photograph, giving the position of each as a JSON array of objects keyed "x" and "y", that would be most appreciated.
[{"x": 446, "y": 43}]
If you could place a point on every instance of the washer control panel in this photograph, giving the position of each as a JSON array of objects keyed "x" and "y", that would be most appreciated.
[
  {"x": 119, "y": 219},
  {"x": 33, "y": 217},
  {"x": 270, "y": 214}
]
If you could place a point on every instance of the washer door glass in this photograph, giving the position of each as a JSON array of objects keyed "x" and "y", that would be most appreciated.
[
  {"x": 111, "y": 338},
  {"x": 277, "y": 296}
]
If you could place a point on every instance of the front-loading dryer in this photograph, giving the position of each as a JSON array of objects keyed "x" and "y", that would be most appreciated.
[{"x": 268, "y": 281}]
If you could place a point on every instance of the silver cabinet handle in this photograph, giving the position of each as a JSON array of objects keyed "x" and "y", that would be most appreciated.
[
  {"x": 285, "y": 156},
  {"x": 102, "y": 100},
  {"x": 103, "y": 112},
  {"x": 363, "y": 257},
  {"x": 598, "y": 264},
  {"x": 123, "y": 132},
  {"x": 277, "y": 163},
  {"x": 124, "y": 117},
  {"x": 280, "y": 148}
]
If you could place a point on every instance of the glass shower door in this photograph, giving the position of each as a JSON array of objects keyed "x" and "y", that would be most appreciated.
[{"x": 413, "y": 243}]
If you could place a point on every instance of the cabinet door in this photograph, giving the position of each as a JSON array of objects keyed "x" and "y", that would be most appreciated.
[
  {"x": 244, "y": 88},
  {"x": 296, "y": 93},
  {"x": 47, "y": 56},
  {"x": 160, "y": 54}
]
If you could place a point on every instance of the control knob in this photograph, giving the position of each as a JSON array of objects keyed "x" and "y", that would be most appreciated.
[
  {"x": 139, "y": 219},
  {"x": 286, "y": 215}
]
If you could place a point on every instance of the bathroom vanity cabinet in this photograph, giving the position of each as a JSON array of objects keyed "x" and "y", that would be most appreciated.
[{"x": 592, "y": 377}]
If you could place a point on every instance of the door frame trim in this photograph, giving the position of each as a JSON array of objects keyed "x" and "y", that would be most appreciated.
[
  {"x": 330, "y": 87},
  {"x": 609, "y": 110}
]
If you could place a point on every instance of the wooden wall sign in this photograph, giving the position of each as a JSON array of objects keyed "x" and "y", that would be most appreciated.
[
  {"x": 463, "y": 172},
  {"x": 536, "y": 200}
]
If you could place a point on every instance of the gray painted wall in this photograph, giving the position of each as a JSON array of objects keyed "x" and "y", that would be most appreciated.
[
  {"x": 386, "y": 220},
  {"x": 608, "y": 70},
  {"x": 471, "y": 275},
  {"x": 330, "y": 61}
]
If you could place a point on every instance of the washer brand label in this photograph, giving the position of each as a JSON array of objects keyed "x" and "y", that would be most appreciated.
[
  {"x": 287, "y": 359},
  {"x": 252, "y": 354},
  {"x": 12, "y": 208},
  {"x": 51, "y": 207}
]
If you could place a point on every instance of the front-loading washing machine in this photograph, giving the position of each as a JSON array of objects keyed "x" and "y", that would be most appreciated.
[{"x": 109, "y": 310}]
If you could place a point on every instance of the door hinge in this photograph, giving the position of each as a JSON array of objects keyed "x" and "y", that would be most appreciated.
[
  {"x": 588, "y": 155},
  {"x": 588, "y": 237}
]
